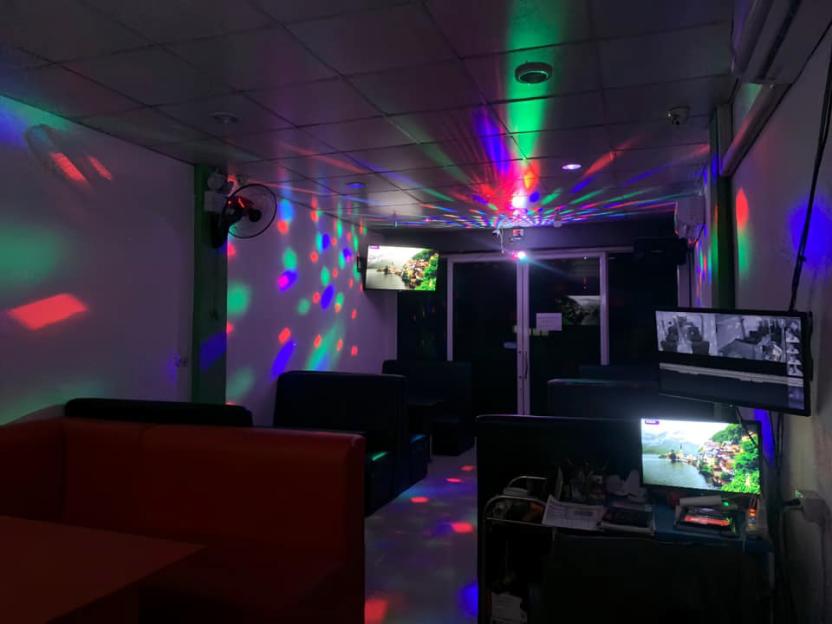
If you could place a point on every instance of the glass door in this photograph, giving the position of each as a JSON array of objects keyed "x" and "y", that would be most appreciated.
[{"x": 483, "y": 323}]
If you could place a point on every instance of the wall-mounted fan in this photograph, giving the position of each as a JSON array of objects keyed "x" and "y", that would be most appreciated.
[{"x": 245, "y": 213}]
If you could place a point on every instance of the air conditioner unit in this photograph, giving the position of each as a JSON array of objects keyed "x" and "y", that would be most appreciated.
[{"x": 773, "y": 39}]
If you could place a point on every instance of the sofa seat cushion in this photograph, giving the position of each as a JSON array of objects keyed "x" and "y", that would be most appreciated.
[{"x": 243, "y": 583}]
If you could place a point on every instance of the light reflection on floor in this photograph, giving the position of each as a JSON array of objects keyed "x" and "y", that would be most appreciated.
[{"x": 421, "y": 549}]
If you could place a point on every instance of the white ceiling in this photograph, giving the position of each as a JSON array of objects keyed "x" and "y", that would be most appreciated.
[{"x": 414, "y": 99}]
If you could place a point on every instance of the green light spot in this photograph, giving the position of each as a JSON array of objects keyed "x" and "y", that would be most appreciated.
[
  {"x": 29, "y": 255},
  {"x": 586, "y": 196},
  {"x": 550, "y": 197},
  {"x": 238, "y": 300},
  {"x": 324, "y": 276},
  {"x": 290, "y": 259},
  {"x": 303, "y": 307},
  {"x": 378, "y": 456},
  {"x": 339, "y": 299},
  {"x": 239, "y": 384},
  {"x": 341, "y": 262},
  {"x": 339, "y": 228}
]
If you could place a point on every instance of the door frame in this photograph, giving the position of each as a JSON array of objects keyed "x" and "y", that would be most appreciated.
[{"x": 522, "y": 303}]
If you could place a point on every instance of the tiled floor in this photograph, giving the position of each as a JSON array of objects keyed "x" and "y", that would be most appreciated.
[{"x": 421, "y": 549}]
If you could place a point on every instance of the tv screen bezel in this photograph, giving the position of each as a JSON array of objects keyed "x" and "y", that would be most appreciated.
[
  {"x": 751, "y": 425},
  {"x": 366, "y": 263},
  {"x": 805, "y": 337}
]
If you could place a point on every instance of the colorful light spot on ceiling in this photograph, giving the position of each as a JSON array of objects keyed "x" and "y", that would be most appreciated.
[
  {"x": 284, "y": 335},
  {"x": 462, "y": 528},
  {"x": 419, "y": 500},
  {"x": 286, "y": 280},
  {"x": 327, "y": 296},
  {"x": 375, "y": 610},
  {"x": 44, "y": 312},
  {"x": 290, "y": 259},
  {"x": 67, "y": 167},
  {"x": 325, "y": 276},
  {"x": 313, "y": 256},
  {"x": 353, "y": 351},
  {"x": 238, "y": 299},
  {"x": 303, "y": 307},
  {"x": 468, "y": 468},
  {"x": 100, "y": 169}
]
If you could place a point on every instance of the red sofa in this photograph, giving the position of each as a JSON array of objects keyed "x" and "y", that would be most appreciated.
[{"x": 280, "y": 512}]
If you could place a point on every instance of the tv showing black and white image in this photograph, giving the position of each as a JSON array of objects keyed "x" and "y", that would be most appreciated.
[
  {"x": 401, "y": 268},
  {"x": 580, "y": 309},
  {"x": 700, "y": 455},
  {"x": 747, "y": 358}
]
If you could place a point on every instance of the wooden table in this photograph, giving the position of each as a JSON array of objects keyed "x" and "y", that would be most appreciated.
[{"x": 55, "y": 572}]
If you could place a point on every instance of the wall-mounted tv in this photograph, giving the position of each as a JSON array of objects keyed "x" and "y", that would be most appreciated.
[
  {"x": 739, "y": 357},
  {"x": 701, "y": 455},
  {"x": 401, "y": 268}
]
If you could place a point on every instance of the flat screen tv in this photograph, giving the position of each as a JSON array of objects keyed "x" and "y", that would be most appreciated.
[
  {"x": 401, "y": 268},
  {"x": 701, "y": 455},
  {"x": 739, "y": 357}
]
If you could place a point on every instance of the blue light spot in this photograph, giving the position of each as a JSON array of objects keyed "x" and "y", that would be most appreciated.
[
  {"x": 286, "y": 210},
  {"x": 325, "y": 242},
  {"x": 282, "y": 359},
  {"x": 212, "y": 349},
  {"x": 469, "y": 600},
  {"x": 327, "y": 296},
  {"x": 534, "y": 197}
]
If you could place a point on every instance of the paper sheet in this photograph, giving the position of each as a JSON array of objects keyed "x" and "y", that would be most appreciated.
[{"x": 572, "y": 515}]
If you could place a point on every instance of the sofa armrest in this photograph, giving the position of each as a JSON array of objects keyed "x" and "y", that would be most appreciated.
[
  {"x": 296, "y": 489},
  {"x": 32, "y": 469}
]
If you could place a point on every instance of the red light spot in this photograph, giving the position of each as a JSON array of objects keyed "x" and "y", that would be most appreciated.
[
  {"x": 317, "y": 342},
  {"x": 230, "y": 250},
  {"x": 419, "y": 500},
  {"x": 335, "y": 273},
  {"x": 316, "y": 297},
  {"x": 283, "y": 226},
  {"x": 354, "y": 314},
  {"x": 284, "y": 335},
  {"x": 375, "y": 610},
  {"x": 229, "y": 327},
  {"x": 67, "y": 167},
  {"x": 337, "y": 308},
  {"x": 462, "y": 527},
  {"x": 468, "y": 468},
  {"x": 742, "y": 210},
  {"x": 313, "y": 256},
  {"x": 349, "y": 236},
  {"x": 453, "y": 480},
  {"x": 353, "y": 351},
  {"x": 99, "y": 167},
  {"x": 340, "y": 344},
  {"x": 47, "y": 311},
  {"x": 351, "y": 283}
]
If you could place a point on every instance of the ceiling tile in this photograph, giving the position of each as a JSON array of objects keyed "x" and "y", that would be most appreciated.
[
  {"x": 177, "y": 20},
  {"x": 301, "y": 190},
  {"x": 251, "y": 116},
  {"x": 613, "y": 18},
  {"x": 284, "y": 11},
  {"x": 254, "y": 59},
  {"x": 571, "y": 143},
  {"x": 316, "y": 102},
  {"x": 446, "y": 196},
  {"x": 63, "y": 29},
  {"x": 690, "y": 53},
  {"x": 449, "y": 124},
  {"x": 13, "y": 59},
  {"x": 429, "y": 178},
  {"x": 659, "y": 177},
  {"x": 360, "y": 134},
  {"x": 145, "y": 126},
  {"x": 324, "y": 166},
  {"x": 428, "y": 87},
  {"x": 402, "y": 157},
  {"x": 374, "y": 40},
  {"x": 383, "y": 198},
  {"x": 370, "y": 183},
  {"x": 61, "y": 91},
  {"x": 562, "y": 111},
  {"x": 151, "y": 76},
  {"x": 281, "y": 144},
  {"x": 486, "y": 26},
  {"x": 208, "y": 152},
  {"x": 658, "y": 133},
  {"x": 495, "y": 148},
  {"x": 651, "y": 102},
  {"x": 263, "y": 172},
  {"x": 651, "y": 158},
  {"x": 575, "y": 69}
]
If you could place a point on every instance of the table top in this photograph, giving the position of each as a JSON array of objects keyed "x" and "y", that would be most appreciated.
[{"x": 49, "y": 570}]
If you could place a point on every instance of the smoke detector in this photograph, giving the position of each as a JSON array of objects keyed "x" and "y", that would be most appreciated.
[
  {"x": 678, "y": 115},
  {"x": 533, "y": 72},
  {"x": 224, "y": 118}
]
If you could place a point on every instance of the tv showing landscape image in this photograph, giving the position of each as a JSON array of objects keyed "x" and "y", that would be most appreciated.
[
  {"x": 700, "y": 455},
  {"x": 401, "y": 268}
]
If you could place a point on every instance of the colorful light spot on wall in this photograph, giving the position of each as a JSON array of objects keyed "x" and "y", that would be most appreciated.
[
  {"x": 819, "y": 244},
  {"x": 339, "y": 228},
  {"x": 326, "y": 242},
  {"x": 238, "y": 299},
  {"x": 314, "y": 216},
  {"x": 67, "y": 167},
  {"x": 281, "y": 361},
  {"x": 469, "y": 600},
  {"x": 335, "y": 273},
  {"x": 351, "y": 283},
  {"x": 327, "y": 296},
  {"x": 743, "y": 238},
  {"x": 284, "y": 335},
  {"x": 339, "y": 345},
  {"x": 313, "y": 256},
  {"x": 375, "y": 610},
  {"x": 239, "y": 384},
  {"x": 317, "y": 342},
  {"x": 468, "y": 468},
  {"x": 323, "y": 354},
  {"x": 286, "y": 280},
  {"x": 290, "y": 259},
  {"x": 325, "y": 276},
  {"x": 283, "y": 227},
  {"x": 29, "y": 255},
  {"x": 229, "y": 327},
  {"x": 99, "y": 167},
  {"x": 462, "y": 528},
  {"x": 453, "y": 480},
  {"x": 303, "y": 307},
  {"x": 230, "y": 250},
  {"x": 44, "y": 312},
  {"x": 339, "y": 302},
  {"x": 285, "y": 210},
  {"x": 353, "y": 351},
  {"x": 354, "y": 314},
  {"x": 419, "y": 500},
  {"x": 211, "y": 349}
]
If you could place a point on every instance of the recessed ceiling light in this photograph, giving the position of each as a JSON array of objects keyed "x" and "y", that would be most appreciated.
[
  {"x": 533, "y": 72},
  {"x": 224, "y": 118},
  {"x": 571, "y": 166},
  {"x": 519, "y": 201}
]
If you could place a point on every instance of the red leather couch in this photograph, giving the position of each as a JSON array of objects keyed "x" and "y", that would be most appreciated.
[{"x": 280, "y": 512}]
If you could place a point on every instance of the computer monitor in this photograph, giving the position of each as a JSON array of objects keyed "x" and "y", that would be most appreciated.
[
  {"x": 739, "y": 357},
  {"x": 701, "y": 455}
]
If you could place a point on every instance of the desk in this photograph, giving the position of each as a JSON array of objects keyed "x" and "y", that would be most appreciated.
[{"x": 59, "y": 572}]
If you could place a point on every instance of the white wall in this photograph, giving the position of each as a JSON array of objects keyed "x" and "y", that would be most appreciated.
[
  {"x": 770, "y": 191},
  {"x": 259, "y": 310},
  {"x": 105, "y": 227}
]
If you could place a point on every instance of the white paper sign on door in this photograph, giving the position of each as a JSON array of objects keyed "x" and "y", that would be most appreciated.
[{"x": 550, "y": 321}]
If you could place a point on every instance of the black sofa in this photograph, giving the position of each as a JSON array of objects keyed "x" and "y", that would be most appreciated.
[
  {"x": 371, "y": 405},
  {"x": 621, "y": 398},
  {"x": 439, "y": 394},
  {"x": 159, "y": 412}
]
